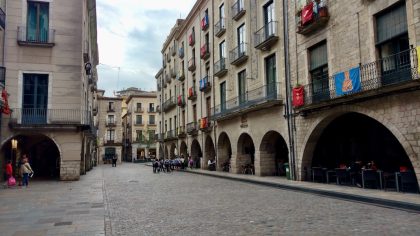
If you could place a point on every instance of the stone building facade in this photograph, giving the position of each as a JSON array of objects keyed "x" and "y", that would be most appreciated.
[
  {"x": 311, "y": 83},
  {"x": 140, "y": 125},
  {"x": 50, "y": 62},
  {"x": 110, "y": 128}
]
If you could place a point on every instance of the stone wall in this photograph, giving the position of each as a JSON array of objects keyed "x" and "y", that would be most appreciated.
[{"x": 70, "y": 170}]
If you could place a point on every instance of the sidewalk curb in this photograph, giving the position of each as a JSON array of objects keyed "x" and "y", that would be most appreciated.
[{"x": 411, "y": 207}]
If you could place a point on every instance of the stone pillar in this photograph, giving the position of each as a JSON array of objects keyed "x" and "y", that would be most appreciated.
[
  {"x": 133, "y": 152},
  {"x": 265, "y": 164},
  {"x": 70, "y": 170}
]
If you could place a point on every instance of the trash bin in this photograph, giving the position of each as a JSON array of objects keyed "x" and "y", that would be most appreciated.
[{"x": 287, "y": 170}]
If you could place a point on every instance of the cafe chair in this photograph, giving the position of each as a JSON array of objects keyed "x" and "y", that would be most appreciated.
[
  {"x": 409, "y": 182},
  {"x": 369, "y": 178},
  {"x": 318, "y": 174},
  {"x": 342, "y": 176}
]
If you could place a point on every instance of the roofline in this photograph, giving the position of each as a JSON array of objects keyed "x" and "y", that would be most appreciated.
[{"x": 142, "y": 96}]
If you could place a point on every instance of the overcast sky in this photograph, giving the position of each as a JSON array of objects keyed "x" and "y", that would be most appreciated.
[{"x": 130, "y": 36}]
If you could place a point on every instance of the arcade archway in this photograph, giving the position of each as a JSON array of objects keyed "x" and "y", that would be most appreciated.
[
  {"x": 246, "y": 154},
  {"x": 210, "y": 153},
  {"x": 196, "y": 153},
  {"x": 224, "y": 152},
  {"x": 273, "y": 154}
]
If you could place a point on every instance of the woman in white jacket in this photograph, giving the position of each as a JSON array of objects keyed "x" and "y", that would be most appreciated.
[{"x": 26, "y": 170}]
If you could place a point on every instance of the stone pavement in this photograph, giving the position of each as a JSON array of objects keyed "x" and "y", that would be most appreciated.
[
  {"x": 131, "y": 200},
  {"x": 54, "y": 208}
]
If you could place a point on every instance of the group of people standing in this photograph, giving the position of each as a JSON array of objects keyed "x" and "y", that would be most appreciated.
[
  {"x": 24, "y": 172},
  {"x": 169, "y": 165}
]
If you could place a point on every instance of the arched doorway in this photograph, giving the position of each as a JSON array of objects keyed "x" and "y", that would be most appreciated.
[
  {"x": 196, "y": 153},
  {"x": 224, "y": 152},
  {"x": 273, "y": 154},
  {"x": 42, "y": 152},
  {"x": 356, "y": 138},
  {"x": 246, "y": 154},
  {"x": 183, "y": 150},
  {"x": 173, "y": 150},
  {"x": 210, "y": 153}
]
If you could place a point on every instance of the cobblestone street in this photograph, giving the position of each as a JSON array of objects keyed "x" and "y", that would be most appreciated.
[{"x": 138, "y": 202}]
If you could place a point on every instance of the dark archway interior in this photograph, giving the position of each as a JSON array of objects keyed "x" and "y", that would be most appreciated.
[
  {"x": 183, "y": 149},
  {"x": 246, "y": 147},
  {"x": 172, "y": 153},
  {"x": 210, "y": 152},
  {"x": 42, "y": 152},
  {"x": 356, "y": 137},
  {"x": 196, "y": 153},
  {"x": 273, "y": 143}
]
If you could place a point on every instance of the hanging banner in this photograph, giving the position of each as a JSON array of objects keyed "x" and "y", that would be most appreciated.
[
  {"x": 298, "y": 96},
  {"x": 347, "y": 82},
  {"x": 6, "y": 108},
  {"x": 307, "y": 13}
]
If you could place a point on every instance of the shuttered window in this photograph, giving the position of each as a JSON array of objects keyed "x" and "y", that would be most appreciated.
[
  {"x": 318, "y": 56},
  {"x": 391, "y": 23}
]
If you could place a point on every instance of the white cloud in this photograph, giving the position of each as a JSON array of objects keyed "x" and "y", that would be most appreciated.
[{"x": 130, "y": 36}]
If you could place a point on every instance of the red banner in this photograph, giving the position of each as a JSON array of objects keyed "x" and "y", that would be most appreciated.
[
  {"x": 6, "y": 108},
  {"x": 307, "y": 13},
  {"x": 298, "y": 97}
]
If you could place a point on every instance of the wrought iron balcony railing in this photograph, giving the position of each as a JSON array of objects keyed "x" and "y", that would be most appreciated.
[
  {"x": 220, "y": 67},
  {"x": 181, "y": 100},
  {"x": 205, "y": 84},
  {"x": 173, "y": 73},
  {"x": 191, "y": 64},
  {"x": 110, "y": 123},
  {"x": 192, "y": 128},
  {"x": 159, "y": 137},
  {"x": 239, "y": 54},
  {"x": 181, "y": 75},
  {"x": 384, "y": 75},
  {"x": 192, "y": 94},
  {"x": 42, "y": 38},
  {"x": 267, "y": 36},
  {"x": 167, "y": 78},
  {"x": 220, "y": 28},
  {"x": 170, "y": 135},
  {"x": 255, "y": 99},
  {"x": 169, "y": 104},
  {"x": 43, "y": 116},
  {"x": 151, "y": 110},
  {"x": 139, "y": 110},
  {"x": 205, "y": 124},
  {"x": 238, "y": 10},
  {"x": 315, "y": 21},
  {"x": 181, "y": 132}
]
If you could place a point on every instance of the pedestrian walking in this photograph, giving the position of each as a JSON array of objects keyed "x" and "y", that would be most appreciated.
[
  {"x": 10, "y": 181},
  {"x": 26, "y": 171},
  {"x": 114, "y": 161}
]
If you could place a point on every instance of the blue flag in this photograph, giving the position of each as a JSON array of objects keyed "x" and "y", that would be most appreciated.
[{"x": 347, "y": 82}]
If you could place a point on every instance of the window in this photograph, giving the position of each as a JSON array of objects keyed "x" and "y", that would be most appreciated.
[
  {"x": 109, "y": 153},
  {"x": 110, "y": 135},
  {"x": 139, "y": 135},
  {"x": 195, "y": 113},
  {"x": 270, "y": 74},
  {"x": 151, "y": 107},
  {"x": 393, "y": 45},
  {"x": 318, "y": 69},
  {"x": 37, "y": 21},
  {"x": 223, "y": 96},
  {"x": 138, "y": 107},
  {"x": 269, "y": 17},
  {"x": 111, "y": 119},
  {"x": 222, "y": 49},
  {"x": 242, "y": 86},
  {"x": 222, "y": 12},
  {"x": 139, "y": 120},
  {"x": 151, "y": 119},
  {"x": 35, "y": 98},
  {"x": 111, "y": 106},
  {"x": 170, "y": 123},
  {"x": 208, "y": 106},
  {"x": 241, "y": 39},
  {"x": 151, "y": 135}
]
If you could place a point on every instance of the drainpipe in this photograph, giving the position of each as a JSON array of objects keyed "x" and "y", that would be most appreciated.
[
  {"x": 289, "y": 111},
  {"x": 214, "y": 87}
]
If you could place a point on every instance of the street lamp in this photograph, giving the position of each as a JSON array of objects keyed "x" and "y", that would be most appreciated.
[{"x": 14, "y": 144}]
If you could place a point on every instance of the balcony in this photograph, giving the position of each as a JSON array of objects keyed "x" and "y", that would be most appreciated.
[
  {"x": 205, "y": 51},
  {"x": 173, "y": 51},
  {"x": 205, "y": 22},
  {"x": 192, "y": 128},
  {"x": 159, "y": 137},
  {"x": 95, "y": 111},
  {"x": 169, "y": 104},
  {"x": 192, "y": 94},
  {"x": 180, "y": 131},
  {"x": 110, "y": 109},
  {"x": 239, "y": 54},
  {"x": 205, "y": 124},
  {"x": 191, "y": 64},
  {"x": 158, "y": 110},
  {"x": 220, "y": 28},
  {"x": 139, "y": 123},
  {"x": 45, "y": 38},
  {"x": 110, "y": 123},
  {"x": 205, "y": 85},
  {"x": 191, "y": 39},
  {"x": 151, "y": 110},
  {"x": 260, "y": 98},
  {"x": 181, "y": 101},
  {"x": 181, "y": 75},
  {"x": 139, "y": 110},
  {"x": 173, "y": 73},
  {"x": 389, "y": 75},
  {"x": 309, "y": 21},
  {"x": 220, "y": 68},
  {"x": 170, "y": 135},
  {"x": 168, "y": 57},
  {"x": 42, "y": 118},
  {"x": 151, "y": 123},
  {"x": 167, "y": 78},
  {"x": 181, "y": 53},
  {"x": 238, "y": 10},
  {"x": 267, "y": 36}
]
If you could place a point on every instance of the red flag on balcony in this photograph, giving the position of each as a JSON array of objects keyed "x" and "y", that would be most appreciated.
[
  {"x": 190, "y": 39},
  {"x": 298, "y": 96},
  {"x": 6, "y": 108},
  {"x": 190, "y": 92},
  {"x": 203, "y": 50},
  {"x": 307, "y": 13},
  {"x": 204, "y": 22}
]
